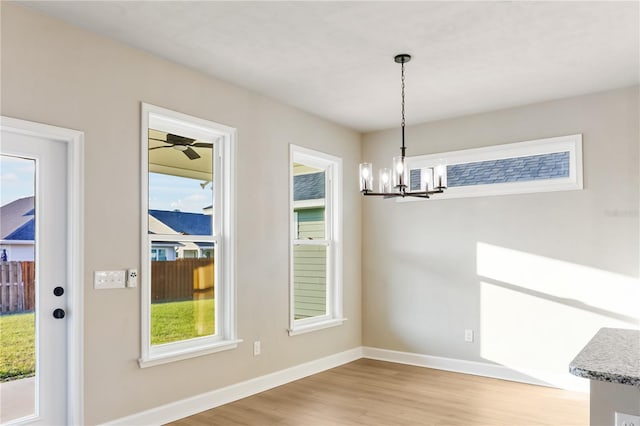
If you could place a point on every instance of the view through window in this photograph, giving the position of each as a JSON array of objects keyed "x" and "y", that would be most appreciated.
[{"x": 182, "y": 247}]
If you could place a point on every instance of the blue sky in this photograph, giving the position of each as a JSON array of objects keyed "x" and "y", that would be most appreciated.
[
  {"x": 171, "y": 192},
  {"x": 17, "y": 178}
]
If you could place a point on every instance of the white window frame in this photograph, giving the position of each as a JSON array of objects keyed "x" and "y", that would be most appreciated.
[
  {"x": 570, "y": 143},
  {"x": 332, "y": 166},
  {"x": 223, "y": 138}
]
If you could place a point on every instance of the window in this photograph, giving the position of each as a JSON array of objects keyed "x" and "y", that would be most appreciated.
[
  {"x": 553, "y": 164},
  {"x": 316, "y": 250},
  {"x": 187, "y": 280}
]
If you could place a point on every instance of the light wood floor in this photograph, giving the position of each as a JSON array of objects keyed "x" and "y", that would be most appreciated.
[{"x": 367, "y": 392}]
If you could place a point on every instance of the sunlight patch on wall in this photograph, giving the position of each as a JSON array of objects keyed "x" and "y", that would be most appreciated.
[{"x": 537, "y": 313}]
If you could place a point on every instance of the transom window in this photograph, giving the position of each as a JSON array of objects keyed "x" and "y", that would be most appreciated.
[
  {"x": 187, "y": 283},
  {"x": 552, "y": 164}
]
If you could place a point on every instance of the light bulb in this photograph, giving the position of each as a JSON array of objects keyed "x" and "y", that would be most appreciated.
[
  {"x": 366, "y": 177},
  {"x": 385, "y": 180}
]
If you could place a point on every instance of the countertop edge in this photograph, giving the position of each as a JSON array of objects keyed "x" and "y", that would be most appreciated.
[{"x": 604, "y": 377}]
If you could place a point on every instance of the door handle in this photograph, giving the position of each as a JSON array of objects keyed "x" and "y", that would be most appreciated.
[{"x": 58, "y": 313}]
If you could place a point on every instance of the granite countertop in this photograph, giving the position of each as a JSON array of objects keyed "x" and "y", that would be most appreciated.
[{"x": 613, "y": 355}]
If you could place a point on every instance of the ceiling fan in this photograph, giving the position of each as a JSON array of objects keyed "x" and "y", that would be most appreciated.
[{"x": 183, "y": 144}]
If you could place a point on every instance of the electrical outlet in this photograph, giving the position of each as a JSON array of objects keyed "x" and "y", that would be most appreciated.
[
  {"x": 132, "y": 277},
  {"x": 468, "y": 337},
  {"x": 256, "y": 348},
  {"x": 623, "y": 419},
  {"x": 108, "y": 279}
]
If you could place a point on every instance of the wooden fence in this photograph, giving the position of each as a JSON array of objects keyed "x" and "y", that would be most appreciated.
[
  {"x": 181, "y": 279},
  {"x": 17, "y": 286}
]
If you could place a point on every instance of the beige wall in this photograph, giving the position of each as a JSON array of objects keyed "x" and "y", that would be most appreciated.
[
  {"x": 421, "y": 288},
  {"x": 60, "y": 75},
  {"x": 608, "y": 398}
]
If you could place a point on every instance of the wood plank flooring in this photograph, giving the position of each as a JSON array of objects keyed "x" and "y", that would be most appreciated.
[{"x": 368, "y": 392}]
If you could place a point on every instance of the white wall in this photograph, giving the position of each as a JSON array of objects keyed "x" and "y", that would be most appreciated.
[
  {"x": 57, "y": 74},
  {"x": 535, "y": 275}
]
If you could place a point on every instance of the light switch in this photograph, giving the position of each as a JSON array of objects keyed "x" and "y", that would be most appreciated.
[{"x": 108, "y": 279}]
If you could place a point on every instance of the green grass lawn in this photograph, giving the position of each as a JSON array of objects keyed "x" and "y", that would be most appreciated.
[
  {"x": 170, "y": 322},
  {"x": 17, "y": 346},
  {"x": 175, "y": 321}
]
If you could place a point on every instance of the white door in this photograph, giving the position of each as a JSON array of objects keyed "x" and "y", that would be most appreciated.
[{"x": 38, "y": 396}]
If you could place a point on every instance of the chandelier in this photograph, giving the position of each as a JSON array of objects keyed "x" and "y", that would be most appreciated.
[{"x": 394, "y": 182}]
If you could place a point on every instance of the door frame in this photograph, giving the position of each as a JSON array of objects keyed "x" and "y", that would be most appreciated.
[{"x": 74, "y": 144}]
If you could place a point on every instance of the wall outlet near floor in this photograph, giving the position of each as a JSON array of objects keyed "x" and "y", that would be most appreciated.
[
  {"x": 468, "y": 337},
  {"x": 256, "y": 349},
  {"x": 623, "y": 419}
]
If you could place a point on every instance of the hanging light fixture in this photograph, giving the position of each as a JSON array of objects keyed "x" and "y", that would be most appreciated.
[{"x": 395, "y": 182}]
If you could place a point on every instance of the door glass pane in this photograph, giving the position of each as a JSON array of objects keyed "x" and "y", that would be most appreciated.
[
  {"x": 17, "y": 288},
  {"x": 309, "y": 281},
  {"x": 182, "y": 291}
]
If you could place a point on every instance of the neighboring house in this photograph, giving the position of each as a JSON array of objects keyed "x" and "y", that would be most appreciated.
[
  {"x": 17, "y": 230},
  {"x": 308, "y": 205},
  {"x": 310, "y": 261},
  {"x": 180, "y": 223}
]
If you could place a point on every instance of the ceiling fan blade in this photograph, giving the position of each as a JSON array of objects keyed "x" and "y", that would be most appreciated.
[
  {"x": 158, "y": 147},
  {"x": 191, "y": 153},
  {"x": 159, "y": 140},
  {"x": 202, "y": 145}
]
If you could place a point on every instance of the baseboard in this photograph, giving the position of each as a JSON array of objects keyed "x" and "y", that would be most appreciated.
[
  {"x": 187, "y": 407},
  {"x": 540, "y": 378}
]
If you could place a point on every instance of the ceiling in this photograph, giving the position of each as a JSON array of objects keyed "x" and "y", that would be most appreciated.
[
  {"x": 335, "y": 59},
  {"x": 163, "y": 158}
]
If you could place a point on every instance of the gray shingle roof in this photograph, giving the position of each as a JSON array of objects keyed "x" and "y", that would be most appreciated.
[
  {"x": 15, "y": 216},
  {"x": 308, "y": 187}
]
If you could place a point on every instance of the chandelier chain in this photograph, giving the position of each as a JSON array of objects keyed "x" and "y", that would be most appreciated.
[{"x": 402, "y": 67}]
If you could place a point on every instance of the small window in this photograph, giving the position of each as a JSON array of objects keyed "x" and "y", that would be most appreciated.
[
  {"x": 187, "y": 282},
  {"x": 553, "y": 164},
  {"x": 316, "y": 250}
]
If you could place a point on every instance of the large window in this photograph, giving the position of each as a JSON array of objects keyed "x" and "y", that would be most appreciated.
[
  {"x": 316, "y": 249},
  {"x": 187, "y": 280}
]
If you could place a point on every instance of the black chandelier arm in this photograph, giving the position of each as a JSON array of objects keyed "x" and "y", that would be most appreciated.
[{"x": 403, "y": 194}]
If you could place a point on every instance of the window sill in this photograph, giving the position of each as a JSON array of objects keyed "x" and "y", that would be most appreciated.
[
  {"x": 179, "y": 355},
  {"x": 316, "y": 326}
]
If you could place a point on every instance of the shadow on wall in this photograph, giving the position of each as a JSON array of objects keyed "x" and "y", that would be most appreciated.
[{"x": 537, "y": 313}]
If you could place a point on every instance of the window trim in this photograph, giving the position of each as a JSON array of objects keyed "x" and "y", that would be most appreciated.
[
  {"x": 333, "y": 239},
  {"x": 570, "y": 143},
  {"x": 223, "y": 237}
]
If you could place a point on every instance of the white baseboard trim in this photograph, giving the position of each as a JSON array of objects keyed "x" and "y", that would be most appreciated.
[
  {"x": 541, "y": 378},
  {"x": 189, "y": 406}
]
